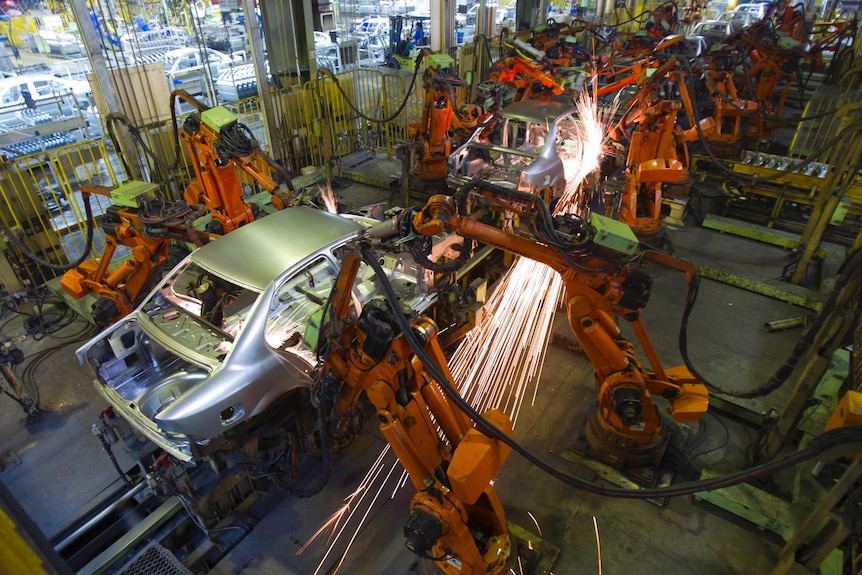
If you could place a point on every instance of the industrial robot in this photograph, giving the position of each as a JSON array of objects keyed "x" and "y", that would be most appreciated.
[
  {"x": 220, "y": 148},
  {"x": 429, "y": 136},
  {"x": 456, "y": 517},
  {"x": 147, "y": 227}
]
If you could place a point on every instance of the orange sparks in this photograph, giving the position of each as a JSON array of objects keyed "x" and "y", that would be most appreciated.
[
  {"x": 508, "y": 348},
  {"x": 327, "y": 196},
  {"x": 598, "y": 544},
  {"x": 539, "y": 529}
]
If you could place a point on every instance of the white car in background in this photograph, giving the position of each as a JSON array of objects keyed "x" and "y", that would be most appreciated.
[
  {"x": 754, "y": 10},
  {"x": 186, "y": 68},
  {"x": 322, "y": 39},
  {"x": 43, "y": 87}
]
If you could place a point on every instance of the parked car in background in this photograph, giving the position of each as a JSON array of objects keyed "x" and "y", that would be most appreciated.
[
  {"x": 322, "y": 39},
  {"x": 373, "y": 27},
  {"x": 187, "y": 67},
  {"x": 756, "y": 10},
  {"x": 53, "y": 95},
  {"x": 229, "y": 337},
  {"x": 739, "y": 19}
]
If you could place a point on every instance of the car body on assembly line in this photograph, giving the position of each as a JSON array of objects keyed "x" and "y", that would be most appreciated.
[
  {"x": 714, "y": 31},
  {"x": 233, "y": 330},
  {"x": 521, "y": 150}
]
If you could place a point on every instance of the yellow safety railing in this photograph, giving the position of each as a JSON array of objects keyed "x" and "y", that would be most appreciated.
[
  {"x": 316, "y": 123},
  {"x": 42, "y": 205}
]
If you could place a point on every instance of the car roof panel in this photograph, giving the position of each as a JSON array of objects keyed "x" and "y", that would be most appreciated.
[
  {"x": 535, "y": 111},
  {"x": 255, "y": 254}
]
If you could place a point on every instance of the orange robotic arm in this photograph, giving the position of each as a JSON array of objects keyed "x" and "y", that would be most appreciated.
[
  {"x": 219, "y": 146},
  {"x": 625, "y": 429},
  {"x": 523, "y": 75},
  {"x": 121, "y": 288},
  {"x": 456, "y": 517}
]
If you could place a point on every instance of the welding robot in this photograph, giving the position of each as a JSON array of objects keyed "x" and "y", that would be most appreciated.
[
  {"x": 430, "y": 141},
  {"x": 145, "y": 224},
  {"x": 220, "y": 147},
  {"x": 456, "y": 518},
  {"x": 657, "y": 155}
]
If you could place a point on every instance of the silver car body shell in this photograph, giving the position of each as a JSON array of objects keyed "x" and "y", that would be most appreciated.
[
  {"x": 189, "y": 402},
  {"x": 540, "y": 170}
]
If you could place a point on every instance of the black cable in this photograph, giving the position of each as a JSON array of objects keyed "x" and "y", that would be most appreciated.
[
  {"x": 751, "y": 180},
  {"x": 721, "y": 445},
  {"x": 85, "y": 253},
  {"x": 116, "y": 118},
  {"x": 822, "y": 444},
  {"x": 363, "y": 115},
  {"x": 782, "y": 374}
]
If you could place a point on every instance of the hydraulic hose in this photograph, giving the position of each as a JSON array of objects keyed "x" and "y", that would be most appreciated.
[
  {"x": 362, "y": 114},
  {"x": 823, "y": 444},
  {"x": 847, "y": 272},
  {"x": 91, "y": 228}
]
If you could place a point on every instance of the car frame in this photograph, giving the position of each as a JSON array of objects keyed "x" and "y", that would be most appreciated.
[
  {"x": 190, "y": 377},
  {"x": 715, "y": 31},
  {"x": 526, "y": 158}
]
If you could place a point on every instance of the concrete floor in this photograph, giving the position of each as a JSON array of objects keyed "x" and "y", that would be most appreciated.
[{"x": 63, "y": 470}]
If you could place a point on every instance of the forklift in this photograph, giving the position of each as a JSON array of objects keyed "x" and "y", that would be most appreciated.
[{"x": 402, "y": 50}]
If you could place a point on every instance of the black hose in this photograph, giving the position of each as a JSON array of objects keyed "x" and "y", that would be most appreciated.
[
  {"x": 397, "y": 111},
  {"x": 91, "y": 228},
  {"x": 841, "y": 136},
  {"x": 107, "y": 447},
  {"x": 114, "y": 118},
  {"x": 783, "y": 373},
  {"x": 820, "y": 445}
]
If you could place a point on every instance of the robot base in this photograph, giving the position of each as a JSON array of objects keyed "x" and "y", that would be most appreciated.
[
  {"x": 423, "y": 188},
  {"x": 620, "y": 452},
  {"x": 537, "y": 556}
]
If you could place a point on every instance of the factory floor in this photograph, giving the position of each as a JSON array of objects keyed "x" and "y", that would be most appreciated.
[{"x": 57, "y": 469}]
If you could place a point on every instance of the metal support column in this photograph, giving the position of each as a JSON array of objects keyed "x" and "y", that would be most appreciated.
[
  {"x": 102, "y": 78},
  {"x": 442, "y": 26},
  {"x": 260, "y": 73}
]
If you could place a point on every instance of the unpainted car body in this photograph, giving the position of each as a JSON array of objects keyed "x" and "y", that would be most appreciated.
[
  {"x": 233, "y": 329},
  {"x": 521, "y": 151},
  {"x": 714, "y": 31}
]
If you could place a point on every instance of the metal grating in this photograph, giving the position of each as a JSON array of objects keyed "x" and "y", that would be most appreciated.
[{"x": 154, "y": 560}]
